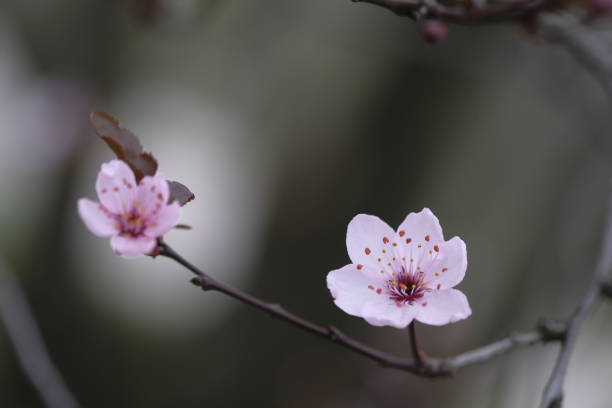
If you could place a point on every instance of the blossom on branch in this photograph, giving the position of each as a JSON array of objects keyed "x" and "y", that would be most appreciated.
[
  {"x": 397, "y": 277},
  {"x": 133, "y": 214}
]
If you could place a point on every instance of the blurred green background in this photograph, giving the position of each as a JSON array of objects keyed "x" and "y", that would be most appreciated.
[{"x": 287, "y": 118}]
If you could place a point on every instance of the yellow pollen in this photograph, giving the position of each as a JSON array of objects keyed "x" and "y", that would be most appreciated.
[
  {"x": 403, "y": 258},
  {"x": 437, "y": 274},
  {"x": 418, "y": 246},
  {"x": 411, "y": 260},
  {"x": 418, "y": 268},
  {"x": 384, "y": 251},
  {"x": 379, "y": 259},
  {"x": 389, "y": 264},
  {"x": 430, "y": 252},
  {"x": 394, "y": 244},
  {"x": 394, "y": 274},
  {"x": 413, "y": 286},
  {"x": 381, "y": 271},
  {"x": 403, "y": 287}
]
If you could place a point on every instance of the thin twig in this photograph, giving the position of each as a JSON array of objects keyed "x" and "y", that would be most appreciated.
[
  {"x": 29, "y": 346},
  {"x": 553, "y": 393},
  {"x": 467, "y": 13},
  {"x": 417, "y": 353},
  {"x": 548, "y": 331}
]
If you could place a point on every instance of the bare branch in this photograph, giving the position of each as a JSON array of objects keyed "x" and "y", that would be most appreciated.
[
  {"x": 553, "y": 393},
  {"x": 547, "y": 331},
  {"x": 29, "y": 346},
  {"x": 466, "y": 13}
]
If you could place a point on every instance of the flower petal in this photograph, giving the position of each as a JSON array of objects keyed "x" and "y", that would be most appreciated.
[
  {"x": 152, "y": 195},
  {"x": 369, "y": 242},
  {"x": 99, "y": 223},
  {"x": 351, "y": 288},
  {"x": 165, "y": 220},
  {"x": 419, "y": 238},
  {"x": 116, "y": 187},
  {"x": 418, "y": 226},
  {"x": 132, "y": 247},
  {"x": 385, "y": 312},
  {"x": 443, "y": 307},
  {"x": 448, "y": 266}
]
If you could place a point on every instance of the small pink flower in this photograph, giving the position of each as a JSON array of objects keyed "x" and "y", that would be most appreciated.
[
  {"x": 397, "y": 277},
  {"x": 133, "y": 214}
]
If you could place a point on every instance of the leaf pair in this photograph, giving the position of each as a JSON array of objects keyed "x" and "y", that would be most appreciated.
[{"x": 127, "y": 147}]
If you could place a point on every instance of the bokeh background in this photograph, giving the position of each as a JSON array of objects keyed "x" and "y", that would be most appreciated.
[{"x": 287, "y": 118}]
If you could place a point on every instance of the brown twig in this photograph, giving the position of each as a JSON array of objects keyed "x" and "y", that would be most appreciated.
[
  {"x": 465, "y": 13},
  {"x": 547, "y": 331},
  {"x": 419, "y": 356}
]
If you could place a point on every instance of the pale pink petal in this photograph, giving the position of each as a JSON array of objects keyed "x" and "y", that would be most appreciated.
[
  {"x": 116, "y": 187},
  {"x": 351, "y": 288},
  {"x": 99, "y": 223},
  {"x": 418, "y": 238},
  {"x": 419, "y": 225},
  {"x": 369, "y": 242},
  {"x": 443, "y": 307},
  {"x": 152, "y": 195},
  {"x": 385, "y": 312},
  {"x": 448, "y": 267},
  {"x": 164, "y": 221},
  {"x": 131, "y": 247}
]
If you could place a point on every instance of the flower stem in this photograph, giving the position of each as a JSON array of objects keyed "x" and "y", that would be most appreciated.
[{"x": 417, "y": 353}]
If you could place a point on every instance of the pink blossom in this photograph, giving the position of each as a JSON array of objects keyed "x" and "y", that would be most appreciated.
[
  {"x": 397, "y": 277},
  {"x": 132, "y": 214}
]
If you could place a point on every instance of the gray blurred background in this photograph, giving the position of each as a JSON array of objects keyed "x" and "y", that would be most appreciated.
[{"x": 287, "y": 118}]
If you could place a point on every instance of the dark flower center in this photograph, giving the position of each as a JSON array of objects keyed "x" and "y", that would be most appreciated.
[
  {"x": 131, "y": 224},
  {"x": 407, "y": 287}
]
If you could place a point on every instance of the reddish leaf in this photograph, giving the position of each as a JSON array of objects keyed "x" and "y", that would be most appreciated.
[
  {"x": 180, "y": 193},
  {"x": 127, "y": 147},
  {"x": 124, "y": 143}
]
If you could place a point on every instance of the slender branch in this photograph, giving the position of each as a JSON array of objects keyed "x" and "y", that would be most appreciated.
[
  {"x": 417, "y": 353},
  {"x": 553, "y": 393},
  {"x": 29, "y": 346},
  {"x": 468, "y": 13},
  {"x": 547, "y": 331}
]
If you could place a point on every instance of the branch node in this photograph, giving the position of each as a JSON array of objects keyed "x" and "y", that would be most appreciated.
[
  {"x": 276, "y": 309},
  {"x": 334, "y": 333},
  {"x": 552, "y": 329},
  {"x": 437, "y": 368},
  {"x": 202, "y": 282}
]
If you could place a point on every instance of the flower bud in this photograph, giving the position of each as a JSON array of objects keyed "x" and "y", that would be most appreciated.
[{"x": 434, "y": 31}]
